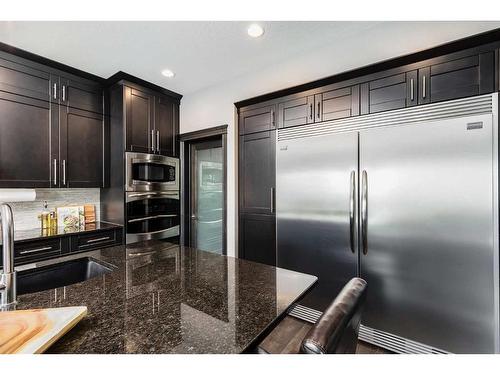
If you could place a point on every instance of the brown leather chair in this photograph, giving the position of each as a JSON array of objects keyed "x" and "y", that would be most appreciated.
[{"x": 336, "y": 331}]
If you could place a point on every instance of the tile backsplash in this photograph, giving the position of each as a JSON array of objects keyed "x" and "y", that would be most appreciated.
[{"x": 26, "y": 213}]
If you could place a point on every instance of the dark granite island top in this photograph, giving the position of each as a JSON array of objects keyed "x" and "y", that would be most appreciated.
[{"x": 165, "y": 298}]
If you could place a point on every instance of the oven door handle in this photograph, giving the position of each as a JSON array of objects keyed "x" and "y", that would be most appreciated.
[
  {"x": 151, "y": 217},
  {"x": 152, "y": 194}
]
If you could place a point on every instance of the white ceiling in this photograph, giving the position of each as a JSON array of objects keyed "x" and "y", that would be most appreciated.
[{"x": 201, "y": 54}]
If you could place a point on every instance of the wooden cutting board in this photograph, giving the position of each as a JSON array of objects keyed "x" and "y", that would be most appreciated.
[{"x": 33, "y": 331}]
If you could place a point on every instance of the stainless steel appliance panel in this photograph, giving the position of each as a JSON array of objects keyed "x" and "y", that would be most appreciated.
[
  {"x": 150, "y": 172},
  {"x": 315, "y": 209},
  {"x": 152, "y": 215},
  {"x": 430, "y": 232}
]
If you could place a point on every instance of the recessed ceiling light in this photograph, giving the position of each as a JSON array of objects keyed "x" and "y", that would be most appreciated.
[
  {"x": 168, "y": 73},
  {"x": 255, "y": 30}
]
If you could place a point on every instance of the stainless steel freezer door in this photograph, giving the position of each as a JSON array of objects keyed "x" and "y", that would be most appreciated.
[
  {"x": 315, "y": 195},
  {"x": 430, "y": 261}
]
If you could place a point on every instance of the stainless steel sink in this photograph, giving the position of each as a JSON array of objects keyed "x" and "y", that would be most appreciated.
[{"x": 60, "y": 274}]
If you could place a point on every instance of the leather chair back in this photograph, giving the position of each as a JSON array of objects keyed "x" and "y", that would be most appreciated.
[{"x": 336, "y": 331}]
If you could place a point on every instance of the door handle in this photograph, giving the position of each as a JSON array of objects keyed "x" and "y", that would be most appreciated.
[
  {"x": 55, "y": 171},
  {"x": 319, "y": 111},
  {"x": 64, "y": 93},
  {"x": 352, "y": 209},
  {"x": 54, "y": 90},
  {"x": 310, "y": 111},
  {"x": 364, "y": 212},
  {"x": 158, "y": 140},
  {"x": 153, "y": 140},
  {"x": 272, "y": 200},
  {"x": 273, "y": 122}
]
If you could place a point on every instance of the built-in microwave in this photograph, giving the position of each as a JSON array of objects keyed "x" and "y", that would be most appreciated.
[{"x": 149, "y": 172}]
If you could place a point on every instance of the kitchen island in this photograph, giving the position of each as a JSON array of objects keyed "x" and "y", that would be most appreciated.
[{"x": 165, "y": 298}]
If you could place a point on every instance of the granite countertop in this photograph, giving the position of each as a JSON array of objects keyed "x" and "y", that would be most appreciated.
[
  {"x": 38, "y": 233},
  {"x": 166, "y": 298}
]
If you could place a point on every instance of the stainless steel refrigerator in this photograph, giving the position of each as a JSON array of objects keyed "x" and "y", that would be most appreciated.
[{"x": 407, "y": 200}]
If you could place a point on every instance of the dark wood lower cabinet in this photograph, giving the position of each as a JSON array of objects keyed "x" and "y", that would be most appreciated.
[{"x": 257, "y": 239}]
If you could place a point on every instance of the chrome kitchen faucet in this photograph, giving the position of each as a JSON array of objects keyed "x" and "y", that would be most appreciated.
[{"x": 8, "y": 293}]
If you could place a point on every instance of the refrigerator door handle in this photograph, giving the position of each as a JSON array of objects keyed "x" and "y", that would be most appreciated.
[
  {"x": 364, "y": 212},
  {"x": 352, "y": 209}
]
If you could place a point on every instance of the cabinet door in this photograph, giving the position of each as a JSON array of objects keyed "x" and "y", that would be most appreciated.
[
  {"x": 81, "y": 148},
  {"x": 337, "y": 104},
  {"x": 257, "y": 120},
  {"x": 25, "y": 142},
  {"x": 165, "y": 130},
  {"x": 23, "y": 80},
  {"x": 257, "y": 172},
  {"x": 139, "y": 120},
  {"x": 459, "y": 78},
  {"x": 298, "y": 111},
  {"x": 81, "y": 95},
  {"x": 257, "y": 238},
  {"x": 389, "y": 93}
]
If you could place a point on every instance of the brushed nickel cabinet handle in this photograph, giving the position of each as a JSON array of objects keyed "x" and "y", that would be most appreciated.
[
  {"x": 411, "y": 90},
  {"x": 98, "y": 239},
  {"x": 54, "y": 90},
  {"x": 54, "y": 164},
  {"x": 64, "y": 172},
  {"x": 364, "y": 212},
  {"x": 352, "y": 209},
  {"x": 158, "y": 140},
  {"x": 423, "y": 88},
  {"x": 64, "y": 93},
  {"x": 35, "y": 250},
  {"x": 153, "y": 140}
]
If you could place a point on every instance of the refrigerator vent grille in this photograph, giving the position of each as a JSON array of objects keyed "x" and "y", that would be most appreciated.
[
  {"x": 395, "y": 343},
  {"x": 305, "y": 313},
  {"x": 453, "y": 108},
  {"x": 373, "y": 336}
]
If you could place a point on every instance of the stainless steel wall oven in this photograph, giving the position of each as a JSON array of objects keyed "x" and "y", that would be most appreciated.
[{"x": 152, "y": 215}]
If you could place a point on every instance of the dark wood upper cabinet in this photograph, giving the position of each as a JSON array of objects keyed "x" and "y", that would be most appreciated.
[
  {"x": 152, "y": 122},
  {"x": 23, "y": 80},
  {"x": 81, "y": 154},
  {"x": 389, "y": 93},
  {"x": 296, "y": 111},
  {"x": 139, "y": 120},
  {"x": 165, "y": 126},
  {"x": 257, "y": 120},
  {"x": 337, "y": 104},
  {"x": 257, "y": 172},
  {"x": 25, "y": 142},
  {"x": 457, "y": 78},
  {"x": 81, "y": 95}
]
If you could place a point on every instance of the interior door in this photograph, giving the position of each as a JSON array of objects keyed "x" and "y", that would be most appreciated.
[
  {"x": 315, "y": 208},
  {"x": 429, "y": 255},
  {"x": 207, "y": 195}
]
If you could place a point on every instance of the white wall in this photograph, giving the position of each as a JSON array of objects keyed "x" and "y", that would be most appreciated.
[{"x": 214, "y": 106}]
